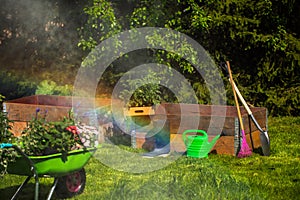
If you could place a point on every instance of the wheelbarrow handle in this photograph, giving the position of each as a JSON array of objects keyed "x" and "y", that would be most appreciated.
[
  {"x": 9, "y": 145},
  {"x": 32, "y": 168},
  {"x": 5, "y": 145}
]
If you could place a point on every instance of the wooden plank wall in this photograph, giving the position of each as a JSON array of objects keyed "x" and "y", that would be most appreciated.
[
  {"x": 196, "y": 116},
  {"x": 214, "y": 119},
  {"x": 55, "y": 108}
]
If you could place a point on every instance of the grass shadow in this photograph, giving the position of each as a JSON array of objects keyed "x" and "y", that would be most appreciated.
[
  {"x": 258, "y": 151},
  {"x": 27, "y": 193}
]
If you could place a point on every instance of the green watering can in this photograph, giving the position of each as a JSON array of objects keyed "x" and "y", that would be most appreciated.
[{"x": 197, "y": 145}]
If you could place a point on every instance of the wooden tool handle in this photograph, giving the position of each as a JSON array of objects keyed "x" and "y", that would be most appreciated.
[{"x": 235, "y": 97}]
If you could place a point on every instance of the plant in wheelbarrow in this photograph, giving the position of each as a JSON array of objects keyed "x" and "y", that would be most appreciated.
[
  {"x": 56, "y": 149},
  {"x": 44, "y": 138}
]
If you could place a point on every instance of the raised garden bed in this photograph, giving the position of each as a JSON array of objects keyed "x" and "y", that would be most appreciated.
[
  {"x": 23, "y": 110},
  {"x": 213, "y": 119},
  {"x": 180, "y": 117}
]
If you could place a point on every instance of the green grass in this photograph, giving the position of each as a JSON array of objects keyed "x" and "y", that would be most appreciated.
[{"x": 218, "y": 177}]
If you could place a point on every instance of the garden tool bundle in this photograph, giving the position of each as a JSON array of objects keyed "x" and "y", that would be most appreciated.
[
  {"x": 245, "y": 150},
  {"x": 264, "y": 137}
]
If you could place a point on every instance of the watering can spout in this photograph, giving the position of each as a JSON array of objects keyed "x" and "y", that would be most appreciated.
[{"x": 198, "y": 146}]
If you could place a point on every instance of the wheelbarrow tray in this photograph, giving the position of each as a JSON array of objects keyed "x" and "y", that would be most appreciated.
[{"x": 54, "y": 165}]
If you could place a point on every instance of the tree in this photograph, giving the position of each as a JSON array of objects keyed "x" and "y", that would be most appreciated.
[
  {"x": 36, "y": 31},
  {"x": 260, "y": 38},
  {"x": 38, "y": 41}
]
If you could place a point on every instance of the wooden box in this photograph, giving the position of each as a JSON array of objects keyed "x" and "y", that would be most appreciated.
[{"x": 138, "y": 119}]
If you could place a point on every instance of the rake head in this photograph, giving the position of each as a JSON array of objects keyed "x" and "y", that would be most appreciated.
[{"x": 245, "y": 150}]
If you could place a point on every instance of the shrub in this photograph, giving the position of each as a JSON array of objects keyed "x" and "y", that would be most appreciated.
[
  {"x": 14, "y": 86},
  {"x": 51, "y": 88},
  {"x": 6, "y": 154},
  {"x": 43, "y": 138}
]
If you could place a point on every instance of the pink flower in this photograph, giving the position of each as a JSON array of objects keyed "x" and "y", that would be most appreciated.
[{"x": 72, "y": 129}]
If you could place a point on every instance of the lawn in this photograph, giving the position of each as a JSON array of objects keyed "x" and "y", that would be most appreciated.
[{"x": 218, "y": 177}]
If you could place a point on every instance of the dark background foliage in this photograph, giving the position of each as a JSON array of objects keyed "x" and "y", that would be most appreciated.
[{"x": 47, "y": 40}]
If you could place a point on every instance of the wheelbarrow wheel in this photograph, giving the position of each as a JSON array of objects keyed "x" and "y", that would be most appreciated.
[{"x": 71, "y": 185}]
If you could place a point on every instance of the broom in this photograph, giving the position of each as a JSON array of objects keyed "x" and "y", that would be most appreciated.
[{"x": 245, "y": 150}]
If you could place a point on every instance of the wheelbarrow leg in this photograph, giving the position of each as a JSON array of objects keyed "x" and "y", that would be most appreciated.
[
  {"x": 52, "y": 188},
  {"x": 21, "y": 187},
  {"x": 36, "y": 194},
  {"x": 33, "y": 170}
]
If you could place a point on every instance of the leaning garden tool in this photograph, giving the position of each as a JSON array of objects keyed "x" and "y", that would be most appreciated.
[
  {"x": 264, "y": 137},
  {"x": 245, "y": 150}
]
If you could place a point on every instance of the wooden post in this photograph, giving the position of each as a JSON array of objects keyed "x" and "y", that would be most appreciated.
[{"x": 237, "y": 140}]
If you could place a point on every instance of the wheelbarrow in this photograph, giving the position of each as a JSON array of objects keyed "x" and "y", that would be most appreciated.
[{"x": 67, "y": 171}]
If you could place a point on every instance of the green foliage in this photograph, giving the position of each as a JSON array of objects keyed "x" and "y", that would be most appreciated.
[
  {"x": 151, "y": 93},
  {"x": 13, "y": 86},
  {"x": 101, "y": 24},
  {"x": 43, "y": 138},
  {"x": 151, "y": 13},
  {"x": 6, "y": 154},
  {"x": 260, "y": 39},
  {"x": 146, "y": 95},
  {"x": 51, "y": 88},
  {"x": 283, "y": 101},
  {"x": 46, "y": 49},
  {"x": 202, "y": 93},
  {"x": 5, "y": 127}
]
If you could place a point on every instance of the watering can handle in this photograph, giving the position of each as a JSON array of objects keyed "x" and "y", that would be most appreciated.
[{"x": 192, "y": 131}]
